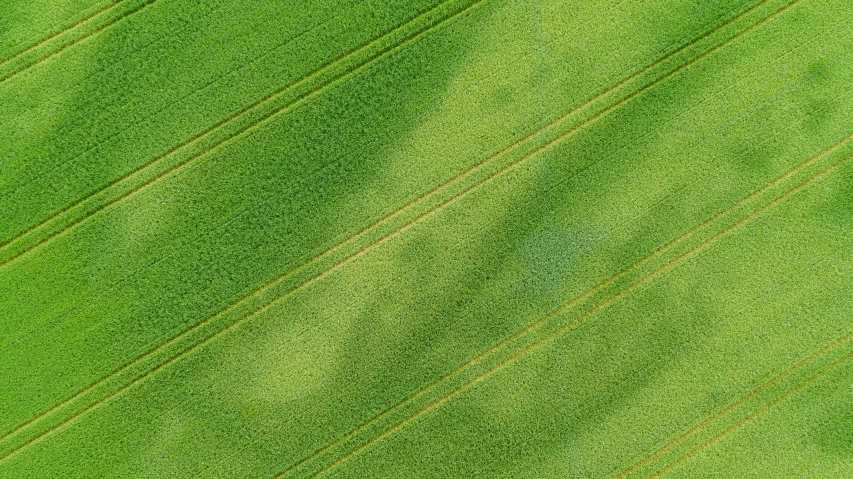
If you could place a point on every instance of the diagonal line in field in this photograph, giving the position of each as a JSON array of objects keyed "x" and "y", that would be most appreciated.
[
  {"x": 14, "y": 189},
  {"x": 567, "y": 326},
  {"x": 722, "y": 412},
  {"x": 793, "y": 390},
  {"x": 60, "y": 32},
  {"x": 63, "y": 48},
  {"x": 109, "y": 138},
  {"x": 225, "y": 122}
]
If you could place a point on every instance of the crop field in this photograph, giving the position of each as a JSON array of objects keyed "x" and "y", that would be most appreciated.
[{"x": 426, "y": 239}]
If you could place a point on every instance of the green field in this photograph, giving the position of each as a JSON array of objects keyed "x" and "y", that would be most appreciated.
[{"x": 426, "y": 239}]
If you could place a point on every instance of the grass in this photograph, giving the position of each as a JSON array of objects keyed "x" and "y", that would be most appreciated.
[{"x": 483, "y": 238}]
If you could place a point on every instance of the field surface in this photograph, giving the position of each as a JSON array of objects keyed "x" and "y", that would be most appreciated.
[{"x": 426, "y": 239}]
